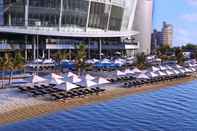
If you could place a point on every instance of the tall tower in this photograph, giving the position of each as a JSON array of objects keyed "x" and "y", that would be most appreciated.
[{"x": 143, "y": 24}]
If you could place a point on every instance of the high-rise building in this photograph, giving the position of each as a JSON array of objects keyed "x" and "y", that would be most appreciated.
[
  {"x": 163, "y": 37},
  {"x": 106, "y": 26},
  {"x": 167, "y": 34},
  {"x": 143, "y": 24}
]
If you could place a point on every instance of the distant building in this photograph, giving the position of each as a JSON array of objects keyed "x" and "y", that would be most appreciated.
[
  {"x": 163, "y": 37},
  {"x": 167, "y": 34}
]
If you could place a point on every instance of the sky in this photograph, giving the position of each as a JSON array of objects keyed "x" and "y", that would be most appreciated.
[{"x": 182, "y": 14}]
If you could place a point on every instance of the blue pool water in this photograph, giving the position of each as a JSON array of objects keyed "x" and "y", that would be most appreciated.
[{"x": 171, "y": 109}]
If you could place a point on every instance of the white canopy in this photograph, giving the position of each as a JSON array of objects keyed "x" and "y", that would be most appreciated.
[
  {"x": 168, "y": 72},
  {"x": 119, "y": 73},
  {"x": 162, "y": 68},
  {"x": 66, "y": 86},
  {"x": 142, "y": 76},
  {"x": 193, "y": 69},
  {"x": 87, "y": 83},
  {"x": 152, "y": 74},
  {"x": 136, "y": 70},
  {"x": 161, "y": 73},
  {"x": 37, "y": 61},
  {"x": 56, "y": 81},
  {"x": 54, "y": 76},
  {"x": 176, "y": 72},
  {"x": 128, "y": 71},
  {"x": 188, "y": 70},
  {"x": 75, "y": 79},
  {"x": 48, "y": 61},
  {"x": 88, "y": 77},
  {"x": 182, "y": 71},
  {"x": 169, "y": 67},
  {"x": 104, "y": 61},
  {"x": 71, "y": 74},
  {"x": 101, "y": 81},
  {"x": 179, "y": 67},
  {"x": 154, "y": 69},
  {"x": 36, "y": 79}
]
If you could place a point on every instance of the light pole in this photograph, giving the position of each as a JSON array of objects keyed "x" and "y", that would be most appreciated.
[{"x": 38, "y": 24}]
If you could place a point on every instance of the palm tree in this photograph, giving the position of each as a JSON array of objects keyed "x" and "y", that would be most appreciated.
[
  {"x": 6, "y": 64},
  {"x": 179, "y": 56},
  {"x": 17, "y": 64},
  {"x": 61, "y": 56},
  {"x": 80, "y": 58},
  {"x": 141, "y": 59},
  {"x": 2, "y": 66}
]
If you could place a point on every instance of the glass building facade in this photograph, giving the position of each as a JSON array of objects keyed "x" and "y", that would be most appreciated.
[{"x": 96, "y": 14}]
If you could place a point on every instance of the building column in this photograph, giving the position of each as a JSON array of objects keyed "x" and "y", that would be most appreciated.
[
  {"x": 49, "y": 53},
  {"x": 34, "y": 48},
  {"x": 89, "y": 46},
  {"x": 108, "y": 20},
  {"x": 88, "y": 16},
  {"x": 26, "y": 13},
  {"x": 26, "y": 42},
  {"x": 100, "y": 48},
  {"x": 60, "y": 15}
]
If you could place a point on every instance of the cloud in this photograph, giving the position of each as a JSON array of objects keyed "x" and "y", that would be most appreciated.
[
  {"x": 192, "y": 2},
  {"x": 190, "y": 17}
]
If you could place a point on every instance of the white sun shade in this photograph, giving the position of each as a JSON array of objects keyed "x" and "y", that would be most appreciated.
[
  {"x": 168, "y": 72},
  {"x": 56, "y": 81},
  {"x": 179, "y": 67},
  {"x": 36, "y": 79},
  {"x": 54, "y": 76},
  {"x": 169, "y": 67},
  {"x": 88, "y": 77},
  {"x": 75, "y": 79},
  {"x": 154, "y": 69},
  {"x": 87, "y": 83},
  {"x": 142, "y": 76},
  {"x": 119, "y": 73},
  {"x": 161, "y": 73},
  {"x": 152, "y": 74},
  {"x": 176, "y": 72},
  {"x": 136, "y": 70},
  {"x": 71, "y": 74},
  {"x": 162, "y": 68},
  {"x": 128, "y": 71},
  {"x": 188, "y": 70},
  {"x": 101, "y": 81},
  {"x": 66, "y": 86}
]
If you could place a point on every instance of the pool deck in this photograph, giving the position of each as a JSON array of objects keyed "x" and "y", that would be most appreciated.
[{"x": 40, "y": 107}]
